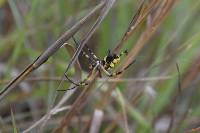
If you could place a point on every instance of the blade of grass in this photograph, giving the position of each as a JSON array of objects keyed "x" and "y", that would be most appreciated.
[{"x": 15, "y": 130}]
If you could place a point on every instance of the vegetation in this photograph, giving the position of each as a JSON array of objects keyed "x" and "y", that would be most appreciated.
[{"x": 158, "y": 93}]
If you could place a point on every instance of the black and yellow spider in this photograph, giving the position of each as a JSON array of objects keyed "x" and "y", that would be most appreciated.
[{"x": 106, "y": 64}]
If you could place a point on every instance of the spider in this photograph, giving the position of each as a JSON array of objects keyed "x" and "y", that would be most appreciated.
[{"x": 106, "y": 64}]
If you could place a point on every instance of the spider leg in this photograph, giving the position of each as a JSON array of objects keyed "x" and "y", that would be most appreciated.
[
  {"x": 73, "y": 82},
  {"x": 124, "y": 69},
  {"x": 125, "y": 52},
  {"x": 87, "y": 56},
  {"x": 70, "y": 80},
  {"x": 105, "y": 71},
  {"x": 81, "y": 83},
  {"x": 118, "y": 72}
]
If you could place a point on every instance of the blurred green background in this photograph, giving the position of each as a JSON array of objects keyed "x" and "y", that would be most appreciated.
[{"x": 27, "y": 28}]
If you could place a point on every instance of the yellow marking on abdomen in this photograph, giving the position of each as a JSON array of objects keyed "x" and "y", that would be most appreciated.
[
  {"x": 115, "y": 61},
  {"x": 112, "y": 65}
]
